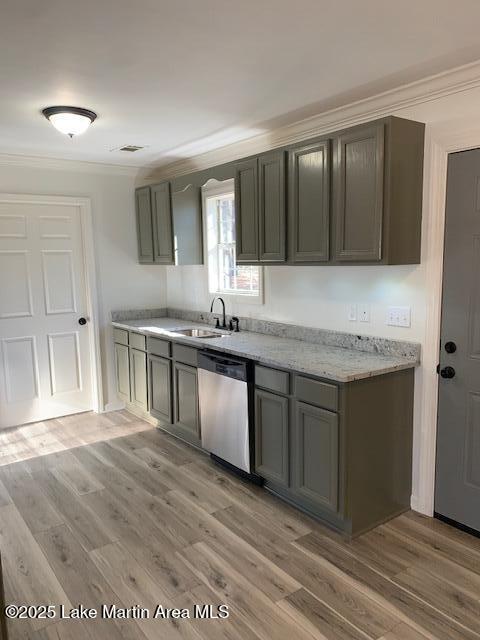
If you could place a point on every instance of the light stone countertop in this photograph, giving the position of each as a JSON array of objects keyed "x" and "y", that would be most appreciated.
[{"x": 333, "y": 363}]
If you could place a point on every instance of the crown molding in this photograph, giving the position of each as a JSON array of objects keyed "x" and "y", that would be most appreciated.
[
  {"x": 435, "y": 87},
  {"x": 57, "y": 164}
]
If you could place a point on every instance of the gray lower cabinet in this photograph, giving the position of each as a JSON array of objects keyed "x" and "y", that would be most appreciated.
[
  {"x": 315, "y": 456},
  {"x": 272, "y": 437},
  {"x": 160, "y": 388},
  {"x": 143, "y": 210},
  {"x": 309, "y": 202},
  {"x": 185, "y": 403},
  {"x": 138, "y": 379},
  {"x": 122, "y": 371}
]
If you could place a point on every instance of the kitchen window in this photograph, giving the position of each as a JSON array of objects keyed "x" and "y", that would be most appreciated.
[{"x": 224, "y": 276}]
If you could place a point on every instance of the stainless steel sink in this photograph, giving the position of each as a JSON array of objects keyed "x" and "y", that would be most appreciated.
[{"x": 201, "y": 333}]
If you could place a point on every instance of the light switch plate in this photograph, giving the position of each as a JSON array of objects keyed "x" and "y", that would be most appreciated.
[
  {"x": 364, "y": 312},
  {"x": 399, "y": 316},
  {"x": 352, "y": 312}
]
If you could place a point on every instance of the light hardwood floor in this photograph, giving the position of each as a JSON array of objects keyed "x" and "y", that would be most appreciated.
[{"x": 143, "y": 519}]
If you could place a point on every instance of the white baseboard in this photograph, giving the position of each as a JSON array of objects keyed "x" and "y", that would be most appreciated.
[
  {"x": 116, "y": 405},
  {"x": 417, "y": 505}
]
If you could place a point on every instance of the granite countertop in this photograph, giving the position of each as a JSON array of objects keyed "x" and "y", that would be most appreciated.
[{"x": 334, "y": 363}]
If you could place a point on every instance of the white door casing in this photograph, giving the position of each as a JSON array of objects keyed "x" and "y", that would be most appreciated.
[{"x": 49, "y": 363}]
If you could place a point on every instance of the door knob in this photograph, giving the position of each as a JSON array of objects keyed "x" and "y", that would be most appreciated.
[
  {"x": 447, "y": 372},
  {"x": 82, "y": 321},
  {"x": 450, "y": 347}
]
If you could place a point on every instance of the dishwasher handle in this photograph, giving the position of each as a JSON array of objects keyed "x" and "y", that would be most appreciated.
[{"x": 225, "y": 366}]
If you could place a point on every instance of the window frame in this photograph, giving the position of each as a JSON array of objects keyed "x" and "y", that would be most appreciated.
[{"x": 215, "y": 188}]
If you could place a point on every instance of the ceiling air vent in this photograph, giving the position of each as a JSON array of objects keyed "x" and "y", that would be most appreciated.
[{"x": 131, "y": 148}]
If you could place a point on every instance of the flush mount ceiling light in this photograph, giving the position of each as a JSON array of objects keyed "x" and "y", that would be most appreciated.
[{"x": 70, "y": 120}]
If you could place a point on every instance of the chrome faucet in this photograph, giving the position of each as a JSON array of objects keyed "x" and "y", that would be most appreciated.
[{"x": 224, "y": 322}]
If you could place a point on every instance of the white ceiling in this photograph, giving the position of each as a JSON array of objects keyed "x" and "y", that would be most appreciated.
[{"x": 186, "y": 76}]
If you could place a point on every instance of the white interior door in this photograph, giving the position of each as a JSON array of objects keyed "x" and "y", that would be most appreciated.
[{"x": 45, "y": 368}]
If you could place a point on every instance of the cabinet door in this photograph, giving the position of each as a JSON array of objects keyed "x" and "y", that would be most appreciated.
[
  {"x": 186, "y": 412},
  {"x": 309, "y": 202},
  {"x": 271, "y": 437},
  {"x": 315, "y": 456},
  {"x": 160, "y": 387},
  {"x": 187, "y": 224},
  {"x": 162, "y": 224},
  {"x": 246, "y": 211},
  {"x": 271, "y": 207},
  {"x": 122, "y": 371},
  {"x": 358, "y": 193},
  {"x": 143, "y": 209},
  {"x": 138, "y": 379}
]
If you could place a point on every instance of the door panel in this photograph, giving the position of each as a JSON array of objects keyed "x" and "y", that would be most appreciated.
[
  {"x": 246, "y": 211},
  {"x": 315, "y": 474},
  {"x": 122, "y": 369},
  {"x": 160, "y": 381},
  {"x": 187, "y": 224},
  {"x": 358, "y": 194},
  {"x": 143, "y": 209},
  {"x": 272, "y": 237},
  {"x": 186, "y": 410},
  {"x": 162, "y": 224},
  {"x": 138, "y": 379},
  {"x": 309, "y": 202},
  {"x": 271, "y": 437},
  {"x": 45, "y": 367},
  {"x": 457, "y": 486}
]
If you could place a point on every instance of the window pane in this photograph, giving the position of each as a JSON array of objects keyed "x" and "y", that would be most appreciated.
[{"x": 224, "y": 275}]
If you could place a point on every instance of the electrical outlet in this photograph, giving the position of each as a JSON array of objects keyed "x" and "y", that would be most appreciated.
[
  {"x": 399, "y": 316},
  {"x": 352, "y": 312},
  {"x": 364, "y": 312}
]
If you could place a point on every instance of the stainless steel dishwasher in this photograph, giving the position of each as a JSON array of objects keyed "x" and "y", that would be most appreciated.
[{"x": 225, "y": 387}]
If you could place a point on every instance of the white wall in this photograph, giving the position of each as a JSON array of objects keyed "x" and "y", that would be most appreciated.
[{"x": 122, "y": 282}]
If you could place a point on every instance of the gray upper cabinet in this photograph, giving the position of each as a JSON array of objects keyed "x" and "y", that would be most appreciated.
[
  {"x": 187, "y": 224},
  {"x": 316, "y": 456},
  {"x": 162, "y": 224},
  {"x": 309, "y": 202},
  {"x": 246, "y": 211},
  {"x": 143, "y": 209},
  {"x": 377, "y": 193},
  {"x": 272, "y": 437},
  {"x": 359, "y": 174},
  {"x": 271, "y": 207}
]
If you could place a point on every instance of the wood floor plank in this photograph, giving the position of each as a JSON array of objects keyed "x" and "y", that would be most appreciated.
[
  {"x": 266, "y": 619},
  {"x": 311, "y": 613},
  {"x": 413, "y": 610},
  {"x": 447, "y": 547},
  {"x": 66, "y": 630},
  {"x": 132, "y": 583},
  {"x": 83, "y": 583},
  {"x": 403, "y": 632},
  {"x": 77, "y": 478},
  {"x": 4, "y": 497},
  {"x": 36, "y": 510},
  {"x": 145, "y": 542},
  {"x": 24, "y": 561},
  {"x": 84, "y": 524}
]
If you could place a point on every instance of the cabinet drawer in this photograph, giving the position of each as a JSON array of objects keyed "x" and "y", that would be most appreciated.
[
  {"x": 272, "y": 379},
  {"x": 137, "y": 340},
  {"x": 187, "y": 355},
  {"x": 120, "y": 336},
  {"x": 317, "y": 393},
  {"x": 158, "y": 347}
]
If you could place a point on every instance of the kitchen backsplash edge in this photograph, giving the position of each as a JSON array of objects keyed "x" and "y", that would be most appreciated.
[{"x": 369, "y": 344}]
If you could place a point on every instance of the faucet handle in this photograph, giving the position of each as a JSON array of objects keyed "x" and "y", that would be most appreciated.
[{"x": 234, "y": 321}]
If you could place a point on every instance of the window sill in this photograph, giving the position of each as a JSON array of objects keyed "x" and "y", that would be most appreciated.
[{"x": 239, "y": 298}]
